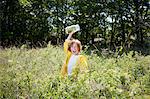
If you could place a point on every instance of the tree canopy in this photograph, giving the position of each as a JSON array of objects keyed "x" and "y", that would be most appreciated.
[{"x": 112, "y": 24}]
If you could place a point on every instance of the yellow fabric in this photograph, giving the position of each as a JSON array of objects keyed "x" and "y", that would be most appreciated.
[{"x": 81, "y": 65}]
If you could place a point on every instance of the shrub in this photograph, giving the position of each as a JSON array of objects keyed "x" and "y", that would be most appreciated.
[{"x": 35, "y": 73}]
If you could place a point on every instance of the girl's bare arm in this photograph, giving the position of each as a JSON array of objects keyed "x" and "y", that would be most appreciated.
[{"x": 70, "y": 35}]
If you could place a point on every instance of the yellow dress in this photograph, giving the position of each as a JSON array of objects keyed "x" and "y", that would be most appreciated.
[{"x": 81, "y": 64}]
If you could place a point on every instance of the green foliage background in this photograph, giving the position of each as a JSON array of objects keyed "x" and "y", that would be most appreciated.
[
  {"x": 35, "y": 73},
  {"x": 111, "y": 24}
]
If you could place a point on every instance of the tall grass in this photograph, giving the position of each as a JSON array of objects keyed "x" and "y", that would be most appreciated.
[{"x": 35, "y": 73}]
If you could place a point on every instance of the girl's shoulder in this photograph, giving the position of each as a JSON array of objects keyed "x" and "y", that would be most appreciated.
[{"x": 82, "y": 57}]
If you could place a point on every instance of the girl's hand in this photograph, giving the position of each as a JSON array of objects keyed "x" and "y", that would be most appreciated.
[{"x": 71, "y": 33}]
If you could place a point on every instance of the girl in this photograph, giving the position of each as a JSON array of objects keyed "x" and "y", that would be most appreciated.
[{"x": 74, "y": 62}]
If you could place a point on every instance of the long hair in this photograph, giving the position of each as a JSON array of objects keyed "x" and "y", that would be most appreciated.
[{"x": 76, "y": 41}]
